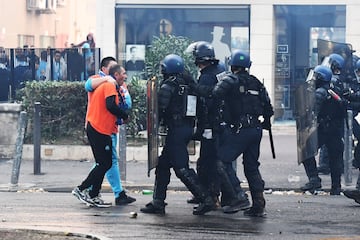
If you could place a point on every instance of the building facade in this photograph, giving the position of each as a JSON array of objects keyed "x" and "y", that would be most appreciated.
[{"x": 280, "y": 36}]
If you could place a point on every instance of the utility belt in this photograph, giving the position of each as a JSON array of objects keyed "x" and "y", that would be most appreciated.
[
  {"x": 326, "y": 123},
  {"x": 246, "y": 121},
  {"x": 179, "y": 120}
]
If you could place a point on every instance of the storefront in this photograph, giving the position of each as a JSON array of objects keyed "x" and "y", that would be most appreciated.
[
  {"x": 297, "y": 30},
  {"x": 225, "y": 27},
  {"x": 280, "y": 37}
]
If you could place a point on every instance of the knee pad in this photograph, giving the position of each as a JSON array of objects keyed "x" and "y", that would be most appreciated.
[{"x": 184, "y": 172}]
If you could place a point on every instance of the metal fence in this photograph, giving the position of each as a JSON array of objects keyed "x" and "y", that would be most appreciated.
[{"x": 19, "y": 65}]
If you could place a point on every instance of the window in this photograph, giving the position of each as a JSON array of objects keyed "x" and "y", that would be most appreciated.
[
  {"x": 225, "y": 27},
  {"x": 47, "y": 41},
  {"x": 297, "y": 28},
  {"x": 26, "y": 40}
]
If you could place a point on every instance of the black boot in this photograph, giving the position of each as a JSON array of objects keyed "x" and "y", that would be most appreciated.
[
  {"x": 206, "y": 206},
  {"x": 258, "y": 207},
  {"x": 236, "y": 198},
  {"x": 335, "y": 184},
  {"x": 154, "y": 207},
  {"x": 162, "y": 179},
  {"x": 312, "y": 186},
  {"x": 314, "y": 183},
  {"x": 191, "y": 181},
  {"x": 240, "y": 203},
  {"x": 353, "y": 194}
]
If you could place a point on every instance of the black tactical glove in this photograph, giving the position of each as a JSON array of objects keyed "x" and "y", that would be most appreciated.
[
  {"x": 197, "y": 136},
  {"x": 344, "y": 103},
  {"x": 266, "y": 124}
]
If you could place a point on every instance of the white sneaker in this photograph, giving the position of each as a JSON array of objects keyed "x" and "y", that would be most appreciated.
[
  {"x": 77, "y": 193},
  {"x": 98, "y": 202}
]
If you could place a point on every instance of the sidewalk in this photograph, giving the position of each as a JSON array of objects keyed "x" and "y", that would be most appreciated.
[{"x": 282, "y": 173}]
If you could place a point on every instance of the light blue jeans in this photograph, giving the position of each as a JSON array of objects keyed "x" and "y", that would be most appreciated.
[{"x": 113, "y": 174}]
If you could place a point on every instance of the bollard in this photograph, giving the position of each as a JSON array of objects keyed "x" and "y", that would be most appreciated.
[
  {"x": 348, "y": 145},
  {"x": 122, "y": 151},
  {"x": 22, "y": 122},
  {"x": 37, "y": 138}
]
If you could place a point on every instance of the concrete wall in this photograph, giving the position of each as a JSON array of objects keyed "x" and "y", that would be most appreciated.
[
  {"x": 77, "y": 152},
  {"x": 9, "y": 114}
]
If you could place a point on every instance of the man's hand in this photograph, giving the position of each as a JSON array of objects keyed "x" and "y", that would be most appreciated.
[{"x": 110, "y": 79}]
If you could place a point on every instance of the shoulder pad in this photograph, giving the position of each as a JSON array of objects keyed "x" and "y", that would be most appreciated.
[
  {"x": 255, "y": 79},
  {"x": 321, "y": 93},
  {"x": 231, "y": 78}
]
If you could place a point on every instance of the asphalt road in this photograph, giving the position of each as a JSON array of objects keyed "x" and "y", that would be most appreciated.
[
  {"x": 289, "y": 216},
  {"x": 44, "y": 202}
]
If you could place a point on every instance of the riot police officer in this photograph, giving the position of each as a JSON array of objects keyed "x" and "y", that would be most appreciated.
[
  {"x": 355, "y": 194},
  {"x": 246, "y": 99},
  {"x": 172, "y": 97},
  {"x": 209, "y": 118},
  {"x": 337, "y": 64},
  {"x": 330, "y": 118}
]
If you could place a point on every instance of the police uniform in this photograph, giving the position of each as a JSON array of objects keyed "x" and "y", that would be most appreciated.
[
  {"x": 330, "y": 118},
  {"x": 245, "y": 100},
  {"x": 209, "y": 120},
  {"x": 172, "y": 97},
  {"x": 354, "y": 98}
]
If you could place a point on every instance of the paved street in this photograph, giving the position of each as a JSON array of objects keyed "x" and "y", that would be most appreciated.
[
  {"x": 44, "y": 202},
  {"x": 289, "y": 217}
]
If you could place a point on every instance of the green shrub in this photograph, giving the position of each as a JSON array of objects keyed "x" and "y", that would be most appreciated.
[
  {"x": 162, "y": 46},
  {"x": 137, "y": 90},
  {"x": 63, "y": 110}
]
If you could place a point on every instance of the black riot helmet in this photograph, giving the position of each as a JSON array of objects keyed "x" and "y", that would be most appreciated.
[
  {"x": 203, "y": 52},
  {"x": 322, "y": 73},
  {"x": 240, "y": 59},
  {"x": 172, "y": 64},
  {"x": 337, "y": 63}
]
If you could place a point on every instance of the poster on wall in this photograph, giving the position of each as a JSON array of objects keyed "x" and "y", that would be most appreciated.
[
  {"x": 135, "y": 57},
  {"x": 282, "y": 65}
]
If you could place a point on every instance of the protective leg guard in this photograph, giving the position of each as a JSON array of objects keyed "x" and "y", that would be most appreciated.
[
  {"x": 191, "y": 181},
  {"x": 314, "y": 183},
  {"x": 235, "y": 196},
  {"x": 154, "y": 207},
  {"x": 323, "y": 161},
  {"x": 353, "y": 194},
  {"x": 162, "y": 180},
  {"x": 335, "y": 184}
]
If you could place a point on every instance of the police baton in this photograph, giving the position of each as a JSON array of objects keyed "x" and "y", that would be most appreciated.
[
  {"x": 271, "y": 138},
  {"x": 272, "y": 143}
]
